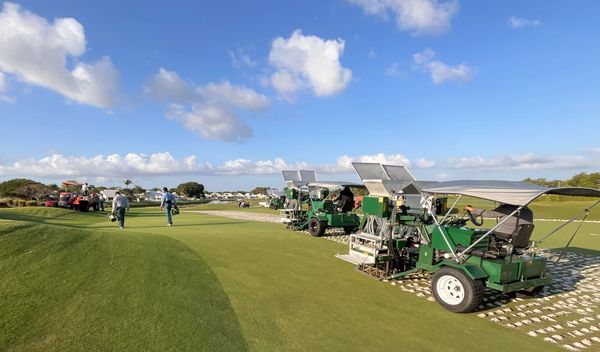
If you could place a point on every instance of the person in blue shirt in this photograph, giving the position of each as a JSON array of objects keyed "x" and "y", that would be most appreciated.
[{"x": 167, "y": 202}]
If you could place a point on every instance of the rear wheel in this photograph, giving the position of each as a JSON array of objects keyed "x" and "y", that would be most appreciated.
[
  {"x": 84, "y": 206},
  {"x": 316, "y": 228},
  {"x": 531, "y": 292},
  {"x": 350, "y": 230},
  {"x": 455, "y": 291}
]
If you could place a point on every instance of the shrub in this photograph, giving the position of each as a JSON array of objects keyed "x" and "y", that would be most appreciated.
[{"x": 32, "y": 203}]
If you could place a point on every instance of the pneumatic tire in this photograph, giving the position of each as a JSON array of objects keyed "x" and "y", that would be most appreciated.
[
  {"x": 316, "y": 228},
  {"x": 455, "y": 291},
  {"x": 350, "y": 230}
]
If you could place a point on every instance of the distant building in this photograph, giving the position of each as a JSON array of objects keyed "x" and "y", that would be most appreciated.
[
  {"x": 108, "y": 194},
  {"x": 153, "y": 196}
]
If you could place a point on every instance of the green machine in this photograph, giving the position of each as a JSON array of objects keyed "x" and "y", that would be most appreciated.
[
  {"x": 396, "y": 241},
  {"x": 311, "y": 206}
]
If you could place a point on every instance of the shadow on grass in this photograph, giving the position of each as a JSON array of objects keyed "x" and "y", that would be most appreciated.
[
  {"x": 108, "y": 226},
  {"x": 29, "y": 217},
  {"x": 566, "y": 275}
]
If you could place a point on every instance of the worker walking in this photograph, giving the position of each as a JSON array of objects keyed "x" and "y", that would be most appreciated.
[
  {"x": 167, "y": 203},
  {"x": 119, "y": 205}
]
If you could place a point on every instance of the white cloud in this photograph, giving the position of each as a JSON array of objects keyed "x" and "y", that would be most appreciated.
[
  {"x": 308, "y": 61},
  {"x": 439, "y": 71},
  {"x": 211, "y": 110},
  {"x": 2, "y": 82},
  {"x": 37, "y": 52},
  {"x": 527, "y": 161},
  {"x": 239, "y": 96},
  {"x": 163, "y": 164},
  {"x": 114, "y": 165},
  {"x": 423, "y": 163},
  {"x": 344, "y": 162},
  {"x": 394, "y": 70},
  {"x": 168, "y": 86},
  {"x": 260, "y": 167},
  {"x": 240, "y": 58},
  {"x": 3, "y": 87},
  {"x": 516, "y": 22},
  {"x": 592, "y": 150},
  {"x": 211, "y": 121},
  {"x": 415, "y": 16}
]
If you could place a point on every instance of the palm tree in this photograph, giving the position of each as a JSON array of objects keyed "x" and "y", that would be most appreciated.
[{"x": 127, "y": 182}]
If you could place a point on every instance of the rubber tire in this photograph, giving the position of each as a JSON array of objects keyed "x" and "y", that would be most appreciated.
[
  {"x": 273, "y": 206},
  {"x": 316, "y": 228},
  {"x": 474, "y": 290},
  {"x": 350, "y": 230},
  {"x": 83, "y": 207},
  {"x": 529, "y": 294}
]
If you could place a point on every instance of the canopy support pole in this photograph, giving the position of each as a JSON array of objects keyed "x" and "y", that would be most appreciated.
[
  {"x": 562, "y": 252},
  {"x": 452, "y": 207},
  {"x": 491, "y": 230},
  {"x": 586, "y": 211},
  {"x": 428, "y": 204}
]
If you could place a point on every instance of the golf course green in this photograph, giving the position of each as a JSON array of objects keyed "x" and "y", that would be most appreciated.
[{"x": 74, "y": 281}]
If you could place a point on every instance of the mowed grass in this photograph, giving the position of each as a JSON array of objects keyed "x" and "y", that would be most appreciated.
[
  {"x": 66, "y": 288},
  {"x": 233, "y": 205},
  {"x": 74, "y": 282}
]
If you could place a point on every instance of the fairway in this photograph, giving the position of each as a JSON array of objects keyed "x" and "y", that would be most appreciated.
[{"x": 74, "y": 281}]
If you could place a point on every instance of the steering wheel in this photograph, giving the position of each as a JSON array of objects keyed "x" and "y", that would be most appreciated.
[
  {"x": 473, "y": 218},
  {"x": 455, "y": 221}
]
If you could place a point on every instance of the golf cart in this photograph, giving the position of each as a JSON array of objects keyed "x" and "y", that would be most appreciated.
[
  {"x": 321, "y": 211},
  {"x": 463, "y": 260}
]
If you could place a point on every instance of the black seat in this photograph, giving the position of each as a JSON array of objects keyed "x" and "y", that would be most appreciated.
[
  {"x": 520, "y": 238},
  {"x": 327, "y": 206}
]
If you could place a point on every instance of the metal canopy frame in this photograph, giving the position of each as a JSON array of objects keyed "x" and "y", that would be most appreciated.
[
  {"x": 458, "y": 256},
  {"x": 385, "y": 180},
  {"x": 298, "y": 178}
]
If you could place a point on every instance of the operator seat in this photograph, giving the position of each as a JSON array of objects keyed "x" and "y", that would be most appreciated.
[
  {"x": 519, "y": 238},
  {"x": 328, "y": 206}
]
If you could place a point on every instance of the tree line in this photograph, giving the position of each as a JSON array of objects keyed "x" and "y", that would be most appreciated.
[
  {"x": 29, "y": 189},
  {"x": 582, "y": 179}
]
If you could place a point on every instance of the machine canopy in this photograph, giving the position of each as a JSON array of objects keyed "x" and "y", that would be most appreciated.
[
  {"x": 508, "y": 192},
  {"x": 335, "y": 184}
]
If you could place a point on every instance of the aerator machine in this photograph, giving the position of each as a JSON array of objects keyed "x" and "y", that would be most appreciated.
[
  {"x": 464, "y": 260},
  {"x": 311, "y": 207}
]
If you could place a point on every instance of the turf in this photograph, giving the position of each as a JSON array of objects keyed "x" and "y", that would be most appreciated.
[
  {"x": 233, "y": 205},
  {"x": 68, "y": 289},
  {"x": 74, "y": 281}
]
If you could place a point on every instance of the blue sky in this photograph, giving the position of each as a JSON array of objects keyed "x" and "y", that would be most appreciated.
[{"x": 227, "y": 93}]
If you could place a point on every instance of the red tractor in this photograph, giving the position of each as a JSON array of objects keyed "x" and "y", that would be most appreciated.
[
  {"x": 75, "y": 200},
  {"x": 64, "y": 199}
]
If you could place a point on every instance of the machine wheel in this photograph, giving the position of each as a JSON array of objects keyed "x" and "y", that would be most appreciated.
[
  {"x": 316, "y": 228},
  {"x": 350, "y": 230},
  {"x": 455, "y": 291},
  {"x": 273, "y": 206},
  {"x": 532, "y": 292},
  {"x": 84, "y": 206}
]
